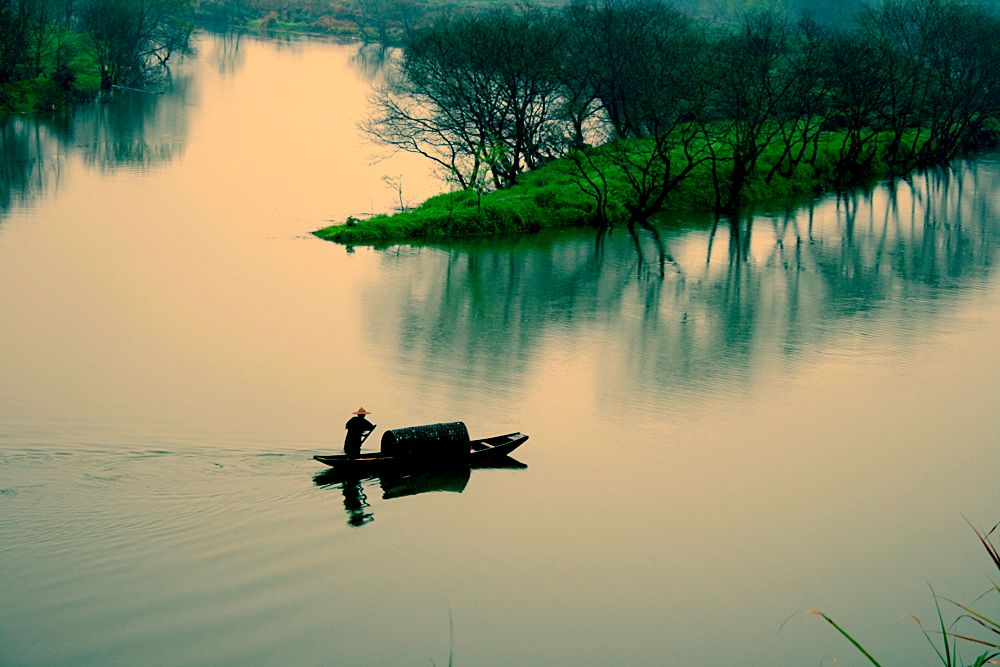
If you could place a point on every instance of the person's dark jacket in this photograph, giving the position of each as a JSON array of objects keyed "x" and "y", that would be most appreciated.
[{"x": 356, "y": 427}]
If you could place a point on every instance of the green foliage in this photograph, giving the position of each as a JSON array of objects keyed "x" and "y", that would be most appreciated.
[
  {"x": 525, "y": 208},
  {"x": 70, "y": 75}
]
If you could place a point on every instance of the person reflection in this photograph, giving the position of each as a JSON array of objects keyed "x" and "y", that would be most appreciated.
[{"x": 355, "y": 503}]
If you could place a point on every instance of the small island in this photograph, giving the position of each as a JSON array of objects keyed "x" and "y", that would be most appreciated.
[{"x": 609, "y": 114}]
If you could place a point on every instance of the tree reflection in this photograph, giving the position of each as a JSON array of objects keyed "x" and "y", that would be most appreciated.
[
  {"x": 132, "y": 129},
  {"x": 681, "y": 314},
  {"x": 137, "y": 129},
  {"x": 372, "y": 59},
  {"x": 228, "y": 55},
  {"x": 26, "y": 164}
]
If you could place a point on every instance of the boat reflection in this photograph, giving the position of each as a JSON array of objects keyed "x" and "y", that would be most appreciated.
[{"x": 400, "y": 485}]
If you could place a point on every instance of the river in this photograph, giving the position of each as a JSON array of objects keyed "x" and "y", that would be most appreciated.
[{"x": 788, "y": 411}]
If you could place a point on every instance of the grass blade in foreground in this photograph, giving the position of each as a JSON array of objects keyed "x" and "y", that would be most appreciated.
[
  {"x": 845, "y": 633},
  {"x": 985, "y": 621},
  {"x": 948, "y": 657}
]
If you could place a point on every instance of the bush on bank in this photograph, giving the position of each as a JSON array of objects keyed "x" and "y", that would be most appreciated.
[{"x": 76, "y": 80}]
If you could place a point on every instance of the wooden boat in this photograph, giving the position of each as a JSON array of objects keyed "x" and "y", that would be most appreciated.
[{"x": 481, "y": 451}]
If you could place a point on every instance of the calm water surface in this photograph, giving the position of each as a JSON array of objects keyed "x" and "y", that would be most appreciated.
[{"x": 757, "y": 417}]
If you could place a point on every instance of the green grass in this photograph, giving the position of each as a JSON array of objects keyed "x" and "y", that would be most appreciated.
[
  {"x": 551, "y": 196},
  {"x": 545, "y": 198},
  {"x": 986, "y": 629},
  {"x": 44, "y": 93}
]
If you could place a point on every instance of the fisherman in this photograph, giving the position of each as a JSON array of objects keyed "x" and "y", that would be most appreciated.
[{"x": 358, "y": 429}]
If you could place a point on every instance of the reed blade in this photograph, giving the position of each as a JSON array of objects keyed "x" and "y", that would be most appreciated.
[
  {"x": 847, "y": 635},
  {"x": 983, "y": 620}
]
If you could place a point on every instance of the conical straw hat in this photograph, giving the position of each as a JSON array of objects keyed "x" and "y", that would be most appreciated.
[{"x": 361, "y": 411}]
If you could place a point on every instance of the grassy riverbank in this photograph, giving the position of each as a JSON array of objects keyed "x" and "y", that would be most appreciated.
[{"x": 556, "y": 194}]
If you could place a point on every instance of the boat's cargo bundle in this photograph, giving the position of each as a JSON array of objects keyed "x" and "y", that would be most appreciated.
[{"x": 432, "y": 440}]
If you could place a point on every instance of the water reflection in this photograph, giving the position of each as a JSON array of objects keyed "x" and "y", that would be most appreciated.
[
  {"x": 372, "y": 59},
  {"x": 288, "y": 42},
  {"x": 400, "y": 485},
  {"x": 227, "y": 54},
  {"x": 134, "y": 130},
  {"x": 26, "y": 162},
  {"x": 695, "y": 302},
  {"x": 139, "y": 130}
]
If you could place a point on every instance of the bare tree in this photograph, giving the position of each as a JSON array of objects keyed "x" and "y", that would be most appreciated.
[
  {"x": 858, "y": 92},
  {"x": 132, "y": 37},
  {"x": 385, "y": 20},
  {"x": 963, "y": 70},
  {"x": 619, "y": 37},
  {"x": 940, "y": 65},
  {"x": 578, "y": 106},
  {"x": 475, "y": 95},
  {"x": 806, "y": 108},
  {"x": 897, "y": 32},
  {"x": 754, "y": 78},
  {"x": 663, "y": 143},
  {"x": 15, "y": 23}
]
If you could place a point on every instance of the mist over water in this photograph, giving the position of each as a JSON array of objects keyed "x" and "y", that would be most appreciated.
[{"x": 736, "y": 422}]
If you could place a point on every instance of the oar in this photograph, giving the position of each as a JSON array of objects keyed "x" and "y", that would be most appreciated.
[{"x": 366, "y": 436}]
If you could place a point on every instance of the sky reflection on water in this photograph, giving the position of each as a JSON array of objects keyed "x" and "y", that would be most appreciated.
[{"x": 792, "y": 416}]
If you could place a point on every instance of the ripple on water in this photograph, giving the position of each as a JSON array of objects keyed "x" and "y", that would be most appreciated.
[{"x": 148, "y": 539}]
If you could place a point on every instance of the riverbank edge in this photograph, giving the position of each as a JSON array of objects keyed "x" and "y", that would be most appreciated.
[
  {"x": 44, "y": 95},
  {"x": 554, "y": 196}
]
